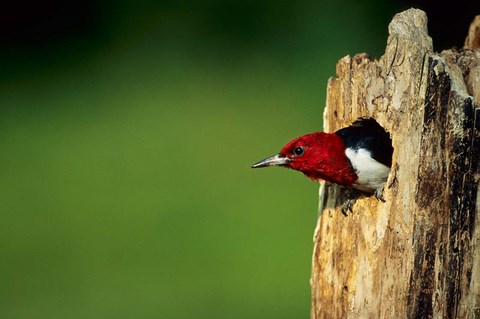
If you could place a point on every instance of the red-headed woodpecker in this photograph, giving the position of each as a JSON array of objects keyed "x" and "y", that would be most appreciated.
[{"x": 358, "y": 156}]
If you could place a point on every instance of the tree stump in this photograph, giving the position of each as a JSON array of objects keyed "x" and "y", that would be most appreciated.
[{"x": 418, "y": 254}]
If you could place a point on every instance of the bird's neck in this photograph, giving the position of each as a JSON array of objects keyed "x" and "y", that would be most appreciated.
[{"x": 332, "y": 164}]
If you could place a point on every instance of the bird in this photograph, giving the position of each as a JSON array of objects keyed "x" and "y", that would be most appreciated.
[{"x": 358, "y": 157}]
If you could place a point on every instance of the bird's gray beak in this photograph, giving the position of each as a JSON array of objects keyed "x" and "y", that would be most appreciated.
[{"x": 277, "y": 160}]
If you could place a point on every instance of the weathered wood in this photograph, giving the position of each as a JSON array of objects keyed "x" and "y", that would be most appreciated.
[
  {"x": 472, "y": 41},
  {"x": 418, "y": 254}
]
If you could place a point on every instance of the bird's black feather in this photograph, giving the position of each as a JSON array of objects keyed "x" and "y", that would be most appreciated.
[{"x": 368, "y": 134}]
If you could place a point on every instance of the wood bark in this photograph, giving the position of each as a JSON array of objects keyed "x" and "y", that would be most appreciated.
[{"x": 418, "y": 254}]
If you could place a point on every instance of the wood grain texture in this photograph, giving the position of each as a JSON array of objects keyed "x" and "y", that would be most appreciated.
[
  {"x": 473, "y": 38},
  {"x": 418, "y": 254}
]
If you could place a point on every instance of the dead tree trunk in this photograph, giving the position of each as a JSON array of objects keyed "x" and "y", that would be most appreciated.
[{"x": 418, "y": 254}]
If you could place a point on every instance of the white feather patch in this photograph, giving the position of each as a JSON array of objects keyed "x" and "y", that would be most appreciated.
[{"x": 371, "y": 174}]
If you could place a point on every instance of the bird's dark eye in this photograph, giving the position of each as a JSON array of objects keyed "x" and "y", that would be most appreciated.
[{"x": 298, "y": 151}]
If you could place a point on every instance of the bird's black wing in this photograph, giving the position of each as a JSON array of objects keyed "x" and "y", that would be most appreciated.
[{"x": 368, "y": 134}]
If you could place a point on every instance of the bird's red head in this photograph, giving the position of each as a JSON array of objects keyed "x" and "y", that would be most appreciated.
[{"x": 320, "y": 156}]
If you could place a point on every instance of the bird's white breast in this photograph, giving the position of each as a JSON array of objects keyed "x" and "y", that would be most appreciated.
[{"x": 371, "y": 174}]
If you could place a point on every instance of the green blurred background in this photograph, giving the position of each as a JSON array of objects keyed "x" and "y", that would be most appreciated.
[{"x": 127, "y": 133}]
